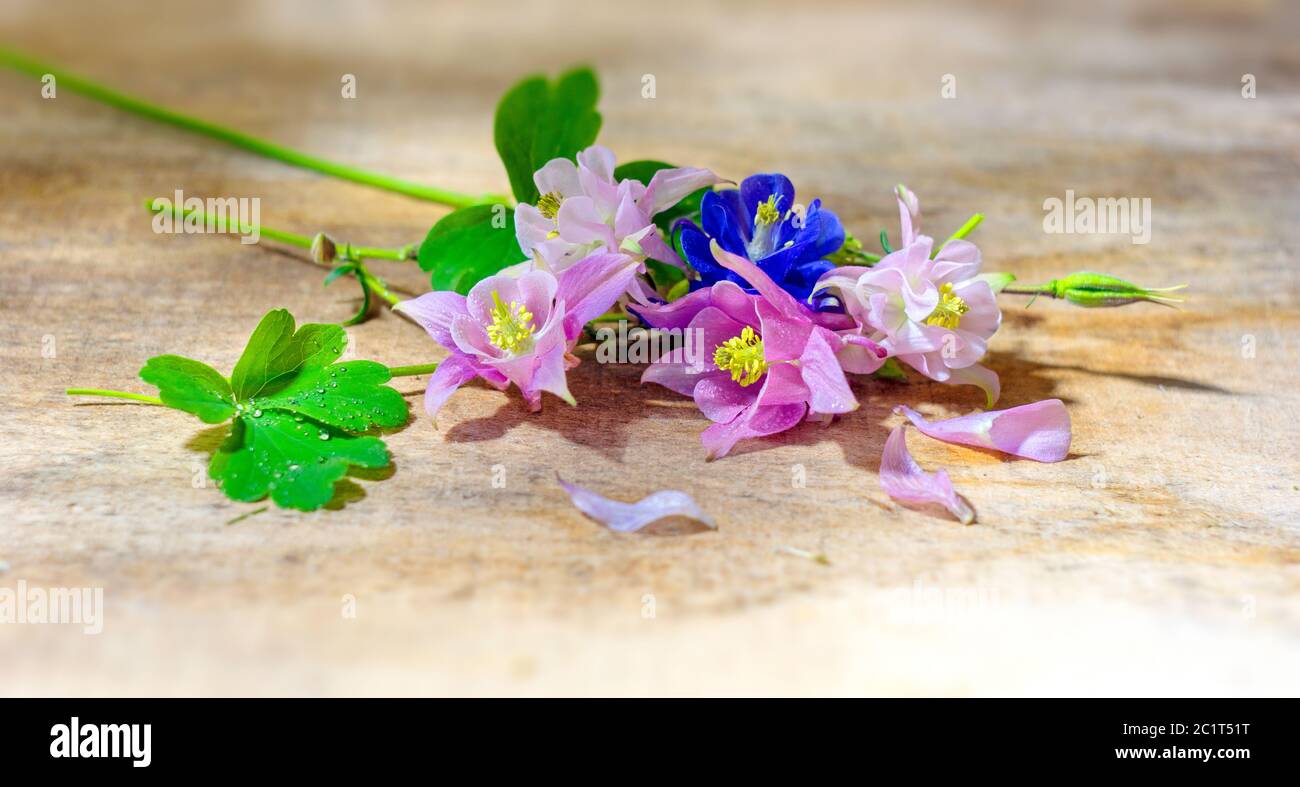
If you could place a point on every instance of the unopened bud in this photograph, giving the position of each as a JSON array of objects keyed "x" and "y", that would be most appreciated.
[
  {"x": 323, "y": 249},
  {"x": 1094, "y": 290}
]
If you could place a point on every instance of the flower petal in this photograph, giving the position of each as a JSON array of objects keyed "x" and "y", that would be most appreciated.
[
  {"x": 599, "y": 160},
  {"x": 674, "y": 373},
  {"x": 559, "y": 176},
  {"x": 1038, "y": 431},
  {"x": 581, "y": 221},
  {"x": 655, "y": 248},
  {"x": 549, "y": 373},
  {"x": 770, "y": 290},
  {"x": 828, "y": 389},
  {"x": 589, "y": 287},
  {"x": 957, "y": 260},
  {"x": 909, "y": 214},
  {"x": 860, "y": 355},
  {"x": 758, "y": 188},
  {"x": 677, "y": 314},
  {"x": 903, "y": 479},
  {"x": 534, "y": 290},
  {"x": 630, "y": 517},
  {"x": 720, "y": 398},
  {"x": 722, "y": 217},
  {"x": 667, "y": 187},
  {"x": 434, "y": 311},
  {"x": 471, "y": 338},
  {"x": 451, "y": 374},
  {"x": 983, "y": 377},
  {"x": 532, "y": 229},
  {"x": 755, "y": 421},
  {"x": 710, "y": 329}
]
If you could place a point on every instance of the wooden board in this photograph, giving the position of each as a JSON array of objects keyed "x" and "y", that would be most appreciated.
[{"x": 1163, "y": 557}]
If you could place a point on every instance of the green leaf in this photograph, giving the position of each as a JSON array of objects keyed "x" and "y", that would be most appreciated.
[
  {"x": 296, "y": 411},
  {"x": 293, "y": 459},
  {"x": 891, "y": 371},
  {"x": 519, "y": 109},
  {"x": 643, "y": 171},
  {"x": 664, "y": 275},
  {"x": 275, "y": 352},
  {"x": 353, "y": 268},
  {"x": 186, "y": 384},
  {"x": 469, "y": 245},
  {"x": 350, "y": 396},
  {"x": 538, "y": 120}
]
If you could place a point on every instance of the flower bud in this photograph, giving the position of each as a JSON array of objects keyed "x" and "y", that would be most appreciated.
[
  {"x": 1093, "y": 290},
  {"x": 323, "y": 249}
]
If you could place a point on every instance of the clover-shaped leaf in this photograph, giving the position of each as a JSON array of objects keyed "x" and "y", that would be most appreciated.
[{"x": 297, "y": 412}]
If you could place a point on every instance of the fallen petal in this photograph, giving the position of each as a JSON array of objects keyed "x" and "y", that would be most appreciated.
[
  {"x": 631, "y": 517},
  {"x": 903, "y": 479},
  {"x": 1038, "y": 431}
]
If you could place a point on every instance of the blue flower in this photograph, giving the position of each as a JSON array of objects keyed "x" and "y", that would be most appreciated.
[{"x": 758, "y": 222}]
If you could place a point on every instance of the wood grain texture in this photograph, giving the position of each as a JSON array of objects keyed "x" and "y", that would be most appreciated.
[{"x": 1163, "y": 557}]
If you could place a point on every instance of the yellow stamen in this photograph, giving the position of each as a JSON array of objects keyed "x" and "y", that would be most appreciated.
[
  {"x": 549, "y": 204},
  {"x": 949, "y": 311},
  {"x": 742, "y": 356},
  {"x": 511, "y": 329},
  {"x": 768, "y": 212}
]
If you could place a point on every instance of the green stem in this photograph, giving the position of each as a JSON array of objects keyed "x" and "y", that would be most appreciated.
[
  {"x": 963, "y": 231},
  {"x": 344, "y": 251},
  {"x": 378, "y": 287},
  {"x": 411, "y": 371},
  {"x": 239, "y": 139},
  {"x": 113, "y": 395},
  {"x": 220, "y": 224},
  {"x": 1041, "y": 289}
]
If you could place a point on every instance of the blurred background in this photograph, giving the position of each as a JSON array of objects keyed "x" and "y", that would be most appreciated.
[{"x": 1163, "y": 559}]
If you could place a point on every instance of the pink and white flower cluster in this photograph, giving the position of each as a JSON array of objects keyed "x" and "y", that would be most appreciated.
[
  {"x": 928, "y": 308},
  {"x": 587, "y": 240}
]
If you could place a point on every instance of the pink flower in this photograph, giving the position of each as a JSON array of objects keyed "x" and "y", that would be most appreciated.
[
  {"x": 903, "y": 479},
  {"x": 583, "y": 210},
  {"x": 1038, "y": 431},
  {"x": 768, "y": 361},
  {"x": 930, "y": 311},
  {"x": 518, "y": 329}
]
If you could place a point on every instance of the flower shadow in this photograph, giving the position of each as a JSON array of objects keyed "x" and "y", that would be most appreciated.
[{"x": 610, "y": 399}]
